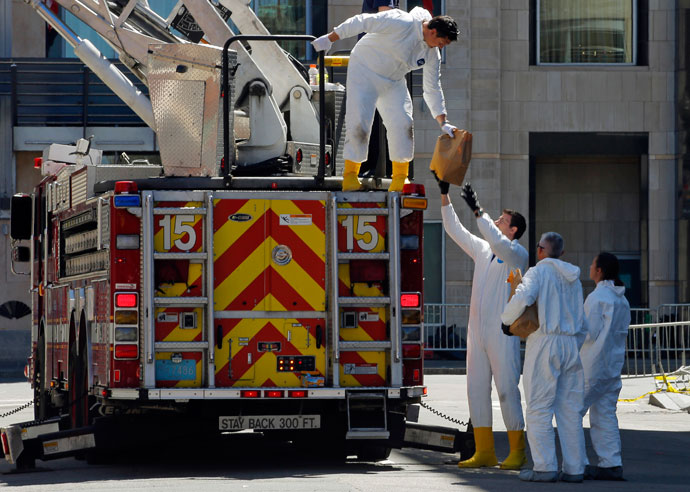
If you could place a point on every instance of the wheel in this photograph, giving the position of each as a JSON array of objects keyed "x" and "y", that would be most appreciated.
[
  {"x": 373, "y": 452},
  {"x": 79, "y": 399},
  {"x": 41, "y": 397}
]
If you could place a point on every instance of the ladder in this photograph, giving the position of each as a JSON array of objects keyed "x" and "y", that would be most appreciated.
[
  {"x": 152, "y": 301},
  {"x": 371, "y": 397}
]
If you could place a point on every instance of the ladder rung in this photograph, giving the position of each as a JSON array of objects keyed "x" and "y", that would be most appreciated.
[
  {"x": 179, "y": 256},
  {"x": 170, "y": 346},
  {"x": 367, "y": 434},
  {"x": 179, "y": 211},
  {"x": 364, "y": 345},
  {"x": 367, "y": 301},
  {"x": 362, "y": 211},
  {"x": 180, "y": 301},
  {"x": 364, "y": 256}
]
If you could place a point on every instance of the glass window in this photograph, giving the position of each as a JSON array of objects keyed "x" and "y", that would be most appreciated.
[
  {"x": 434, "y": 262},
  {"x": 59, "y": 48},
  {"x": 586, "y": 31},
  {"x": 293, "y": 17}
]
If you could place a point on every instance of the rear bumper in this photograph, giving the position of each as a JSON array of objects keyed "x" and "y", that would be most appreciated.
[{"x": 215, "y": 394}]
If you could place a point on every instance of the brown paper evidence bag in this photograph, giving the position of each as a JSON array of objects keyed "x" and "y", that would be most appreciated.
[
  {"x": 452, "y": 157},
  {"x": 528, "y": 322}
]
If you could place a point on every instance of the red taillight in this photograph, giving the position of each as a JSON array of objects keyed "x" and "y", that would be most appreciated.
[
  {"x": 126, "y": 300},
  {"x": 38, "y": 162},
  {"x": 5, "y": 444},
  {"x": 298, "y": 156},
  {"x": 412, "y": 351},
  {"x": 297, "y": 394},
  {"x": 126, "y": 351},
  {"x": 414, "y": 189},
  {"x": 273, "y": 394},
  {"x": 327, "y": 158},
  {"x": 410, "y": 300},
  {"x": 249, "y": 394},
  {"x": 126, "y": 187}
]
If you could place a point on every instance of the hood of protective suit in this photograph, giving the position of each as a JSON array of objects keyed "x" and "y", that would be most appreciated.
[
  {"x": 420, "y": 13},
  {"x": 618, "y": 290},
  {"x": 569, "y": 271}
]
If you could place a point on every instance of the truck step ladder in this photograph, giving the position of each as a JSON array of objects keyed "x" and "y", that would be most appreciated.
[
  {"x": 376, "y": 426},
  {"x": 153, "y": 301}
]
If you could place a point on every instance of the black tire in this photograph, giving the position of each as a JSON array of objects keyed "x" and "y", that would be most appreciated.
[
  {"x": 79, "y": 399},
  {"x": 373, "y": 452},
  {"x": 41, "y": 397}
]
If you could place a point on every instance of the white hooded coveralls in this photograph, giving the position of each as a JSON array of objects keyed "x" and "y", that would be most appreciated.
[
  {"x": 489, "y": 351},
  {"x": 607, "y": 316},
  {"x": 392, "y": 47},
  {"x": 552, "y": 374}
]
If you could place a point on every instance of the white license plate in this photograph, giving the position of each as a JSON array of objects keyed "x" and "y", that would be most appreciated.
[{"x": 270, "y": 422}]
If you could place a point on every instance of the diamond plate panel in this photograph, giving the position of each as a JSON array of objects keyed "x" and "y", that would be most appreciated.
[{"x": 185, "y": 86}]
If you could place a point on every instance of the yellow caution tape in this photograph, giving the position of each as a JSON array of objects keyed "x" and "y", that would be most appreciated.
[{"x": 669, "y": 388}]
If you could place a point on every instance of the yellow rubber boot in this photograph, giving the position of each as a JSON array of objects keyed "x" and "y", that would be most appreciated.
[
  {"x": 350, "y": 179},
  {"x": 399, "y": 176},
  {"x": 484, "y": 454},
  {"x": 517, "y": 456}
]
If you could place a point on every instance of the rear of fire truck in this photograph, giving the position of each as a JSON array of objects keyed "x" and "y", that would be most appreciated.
[{"x": 230, "y": 287}]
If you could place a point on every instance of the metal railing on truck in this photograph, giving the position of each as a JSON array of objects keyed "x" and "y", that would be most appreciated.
[
  {"x": 658, "y": 338},
  {"x": 63, "y": 92}
]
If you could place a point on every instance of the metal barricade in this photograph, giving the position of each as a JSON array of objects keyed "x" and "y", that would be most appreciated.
[
  {"x": 639, "y": 347},
  {"x": 658, "y": 339},
  {"x": 445, "y": 327},
  {"x": 672, "y": 340}
]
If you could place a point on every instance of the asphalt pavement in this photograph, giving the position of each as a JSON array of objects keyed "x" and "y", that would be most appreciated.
[{"x": 656, "y": 453}]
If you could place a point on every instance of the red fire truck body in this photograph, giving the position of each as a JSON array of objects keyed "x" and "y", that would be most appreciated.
[{"x": 274, "y": 306}]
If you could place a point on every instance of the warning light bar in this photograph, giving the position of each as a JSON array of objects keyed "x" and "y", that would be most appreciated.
[
  {"x": 410, "y": 300},
  {"x": 126, "y": 300},
  {"x": 125, "y": 201}
]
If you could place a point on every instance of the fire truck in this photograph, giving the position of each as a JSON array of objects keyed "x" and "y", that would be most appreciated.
[{"x": 232, "y": 286}]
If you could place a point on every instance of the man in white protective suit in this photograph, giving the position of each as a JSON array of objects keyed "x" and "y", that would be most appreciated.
[
  {"x": 552, "y": 374},
  {"x": 607, "y": 317},
  {"x": 490, "y": 352},
  {"x": 396, "y": 43}
]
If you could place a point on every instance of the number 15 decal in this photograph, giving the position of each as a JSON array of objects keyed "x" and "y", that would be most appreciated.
[
  {"x": 369, "y": 236},
  {"x": 184, "y": 224}
]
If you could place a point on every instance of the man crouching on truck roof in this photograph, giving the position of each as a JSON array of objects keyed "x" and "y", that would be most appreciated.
[{"x": 396, "y": 43}]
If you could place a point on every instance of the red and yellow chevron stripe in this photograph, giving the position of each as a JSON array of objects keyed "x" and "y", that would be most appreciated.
[{"x": 251, "y": 238}]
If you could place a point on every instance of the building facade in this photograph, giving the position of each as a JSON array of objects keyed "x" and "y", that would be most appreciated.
[{"x": 579, "y": 111}]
